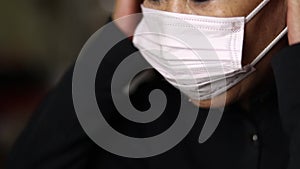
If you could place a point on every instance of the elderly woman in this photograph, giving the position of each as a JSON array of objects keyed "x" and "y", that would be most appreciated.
[{"x": 260, "y": 126}]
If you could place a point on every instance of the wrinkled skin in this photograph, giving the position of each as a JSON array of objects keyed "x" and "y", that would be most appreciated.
[{"x": 259, "y": 32}]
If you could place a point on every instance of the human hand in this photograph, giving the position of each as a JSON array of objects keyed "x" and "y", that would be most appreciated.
[
  {"x": 293, "y": 21},
  {"x": 124, "y": 8}
]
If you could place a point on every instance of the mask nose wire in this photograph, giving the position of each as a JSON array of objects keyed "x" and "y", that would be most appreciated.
[{"x": 256, "y": 10}]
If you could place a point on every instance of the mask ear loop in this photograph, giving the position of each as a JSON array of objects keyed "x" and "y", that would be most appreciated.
[
  {"x": 274, "y": 42},
  {"x": 256, "y": 10},
  {"x": 270, "y": 46}
]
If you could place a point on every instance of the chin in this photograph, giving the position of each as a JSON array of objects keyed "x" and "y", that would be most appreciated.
[{"x": 222, "y": 100}]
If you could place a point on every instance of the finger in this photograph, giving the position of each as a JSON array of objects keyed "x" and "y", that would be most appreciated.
[
  {"x": 293, "y": 21},
  {"x": 126, "y": 7},
  {"x": 123, "y": 14}
]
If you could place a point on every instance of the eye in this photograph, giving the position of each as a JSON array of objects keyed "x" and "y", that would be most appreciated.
[
  {"x": 196, "y": 4},
  {"x": 154, "y": 1},
  {"x": 198, "y": 1}
]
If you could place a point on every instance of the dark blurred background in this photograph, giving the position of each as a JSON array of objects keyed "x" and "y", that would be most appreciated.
[{"x": 39, "y": 39}]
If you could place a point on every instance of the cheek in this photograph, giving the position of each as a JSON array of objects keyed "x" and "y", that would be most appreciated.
[
  {"x": 210, "y": 8},
  {"x": 223, "y": 8},
  {"x": 156, "y": 4},
  {"x": 217, "y": 8}
]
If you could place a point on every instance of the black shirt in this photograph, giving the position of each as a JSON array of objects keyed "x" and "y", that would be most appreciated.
[{"x": 266, "y": 137}]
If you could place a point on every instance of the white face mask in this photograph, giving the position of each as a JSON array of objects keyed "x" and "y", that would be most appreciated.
[{"x": 200, "y": 55}]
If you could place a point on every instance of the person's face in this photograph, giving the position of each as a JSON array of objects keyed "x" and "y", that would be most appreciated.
[{"x": 259, "y": 32}]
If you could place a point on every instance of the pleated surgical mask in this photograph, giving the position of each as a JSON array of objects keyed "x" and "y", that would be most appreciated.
[{"x": 199, "y": 55}]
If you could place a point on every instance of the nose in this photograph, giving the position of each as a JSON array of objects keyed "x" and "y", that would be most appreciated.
[{"x": 177, "y": 6}]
